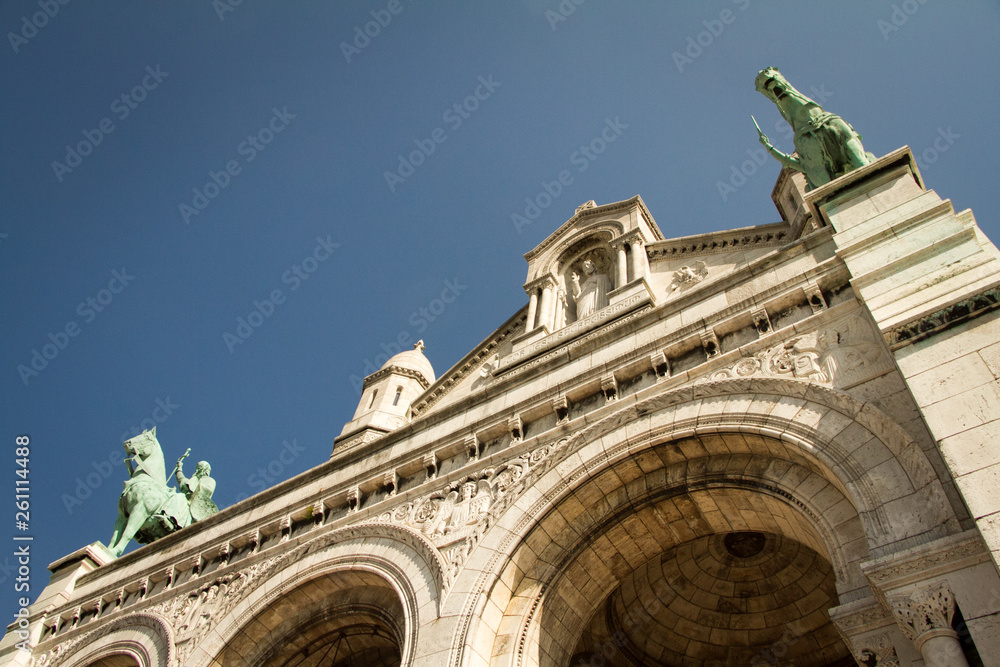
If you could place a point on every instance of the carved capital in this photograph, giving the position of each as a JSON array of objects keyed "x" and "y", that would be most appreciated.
[
  {"x": 876, "y": 651},
  {"x": 924, "y": 611}
]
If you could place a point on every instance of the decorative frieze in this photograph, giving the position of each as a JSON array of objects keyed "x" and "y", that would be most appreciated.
[
  {"x": 841, "y": 355},
  {"x": 944, "y": 318}
]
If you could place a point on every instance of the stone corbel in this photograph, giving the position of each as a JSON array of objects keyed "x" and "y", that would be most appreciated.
[
  {"x": 560, "y": 405},
  {"x": 168, "y": 577},
  {"x": 285, "y": 527},
  {"x": 353, "y": 499},
  {"x": 660, "y": 363},
  {"x": 761, "y": 322},
  {"x": 253, "y": 539},
  {"x": 318, "y": 513},
  {"x": 196, "y": 563},
  {"x": 516, "y": 428},
  {"x": 431, "y": 466},
  {"x": 225, "y": 551},
  {"x": 814, "y": 295},
  {"x": 390, "y": 481},
  {"x": 710, "y": 342},
  {"x": 472, "y": 446},
  {"x": 609, "y": 385}
]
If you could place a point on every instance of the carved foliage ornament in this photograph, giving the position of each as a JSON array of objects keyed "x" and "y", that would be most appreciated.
[
  {"x": 924, "y": 610},
  {"x": 843, "y": 354},
  {"x": 454, "y": 517},
  {"x": 876, "y": 651}
]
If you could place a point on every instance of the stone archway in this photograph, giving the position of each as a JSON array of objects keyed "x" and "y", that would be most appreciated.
[
  {"x": 357, "y": 596},
  {"x": 837, "y": 478},
  {"x": 713, "y": 560},
  {"x": 341, "y": 619}
]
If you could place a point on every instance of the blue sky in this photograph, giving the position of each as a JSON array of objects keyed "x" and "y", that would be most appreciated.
[{"x": 170, "y": 169}]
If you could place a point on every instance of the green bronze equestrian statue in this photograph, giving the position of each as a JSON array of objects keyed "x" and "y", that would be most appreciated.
[{"x": 826, "y": 146}]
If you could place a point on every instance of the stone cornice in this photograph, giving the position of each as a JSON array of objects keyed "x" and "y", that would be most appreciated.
[
  {"x": 470, "y": 362},
  {"x": 596, "y": 211},
  {"x": 926, "y": 561},
  {"x": 763, "y": 236},
  {"x": 398, "y": 370},
  {"x": 942, "y": 319}
]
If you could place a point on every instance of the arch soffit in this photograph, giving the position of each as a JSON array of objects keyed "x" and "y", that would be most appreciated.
[
  {"x": 146, "y": 637},
  {"x": 338, "y": 552}
]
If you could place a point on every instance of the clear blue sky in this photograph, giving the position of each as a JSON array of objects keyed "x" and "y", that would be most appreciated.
[{"x": 327, "y": 121}]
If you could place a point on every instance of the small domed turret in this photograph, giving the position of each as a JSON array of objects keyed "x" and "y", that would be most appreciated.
[{"x": 386, "y": 397}]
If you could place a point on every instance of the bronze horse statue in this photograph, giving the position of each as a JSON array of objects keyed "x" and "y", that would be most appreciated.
[
  {"x": 826, "y": 146},
  {"x": 148, "y": 509}
]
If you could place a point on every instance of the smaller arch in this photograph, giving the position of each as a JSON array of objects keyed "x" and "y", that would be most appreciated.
[
  {"x": 400, "y": 563},
  {"x": 138, "y": 639}
]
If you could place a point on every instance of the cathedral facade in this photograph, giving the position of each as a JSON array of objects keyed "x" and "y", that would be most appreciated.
[{"x": 767, "y": 445}]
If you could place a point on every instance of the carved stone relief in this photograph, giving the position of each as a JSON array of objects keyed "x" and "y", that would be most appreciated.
[
  {"x": 924, "y": 610},
  {"x": 687, "y": 276},
  {"x": 455, "y": 516},
  {"x": 840, "y": 355},
  {"x": 876, "y": 651}
]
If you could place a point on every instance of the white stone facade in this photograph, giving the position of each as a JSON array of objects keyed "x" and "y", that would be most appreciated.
[{"x": 772, "y": 445}]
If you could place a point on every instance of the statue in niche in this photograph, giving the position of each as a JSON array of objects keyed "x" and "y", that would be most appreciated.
[
  {"x": 591, "y": 294},
  {"x": 826, "y": 146}
]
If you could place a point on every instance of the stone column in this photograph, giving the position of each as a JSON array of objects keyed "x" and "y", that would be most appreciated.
[
  {"x": 925, "y": 617},
  {"x": 532, "y": 310},
  {"x": 622, "y": 264},
  {"x": 638, "y": 258},
  {"x": 547, "y": 304}
]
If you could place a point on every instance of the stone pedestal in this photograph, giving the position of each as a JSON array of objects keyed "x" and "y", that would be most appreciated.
[{"x": 932, "y": 283}]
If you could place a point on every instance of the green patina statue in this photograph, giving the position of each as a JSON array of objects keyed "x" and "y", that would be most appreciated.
[
  {"x": 148, "y": 508},
  {"x": 826, "y": 146}
]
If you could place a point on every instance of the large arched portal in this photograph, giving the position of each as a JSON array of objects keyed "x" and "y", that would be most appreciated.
[
  {"x": 341, "y": 619},
  {"x": 716, "y": 549}
]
